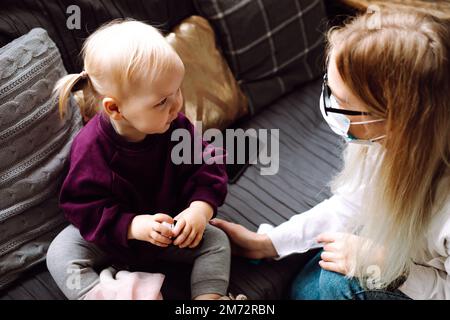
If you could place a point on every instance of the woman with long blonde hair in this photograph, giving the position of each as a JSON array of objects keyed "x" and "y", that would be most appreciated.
[{"x": 385, "y": 232}]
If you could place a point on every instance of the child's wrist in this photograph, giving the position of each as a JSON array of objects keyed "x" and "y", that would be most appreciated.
[
  {"x": 130, "y": 234},
  {"x": 205, "y": 208}
]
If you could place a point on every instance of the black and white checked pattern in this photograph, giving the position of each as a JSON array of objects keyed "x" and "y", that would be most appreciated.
[{"x": 271, "y": 45}]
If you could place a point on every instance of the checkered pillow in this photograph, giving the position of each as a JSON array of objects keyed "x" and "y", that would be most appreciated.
[{"x": 270, "y": 45}]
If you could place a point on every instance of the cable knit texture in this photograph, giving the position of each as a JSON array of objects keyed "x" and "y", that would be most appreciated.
[{"x": 34, "y": 146}]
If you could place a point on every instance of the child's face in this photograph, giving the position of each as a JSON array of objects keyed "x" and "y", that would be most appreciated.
[{"x": 151, "y": 107}]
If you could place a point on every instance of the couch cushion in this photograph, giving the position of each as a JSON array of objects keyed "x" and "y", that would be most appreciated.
[
  {"x": 210, "y": 92},
  {"x": 17, "y": 17},
  {"x": 271, "y": 45},
  {"x": 309, "y": 156},
  {"x": 34, "y": 145}
]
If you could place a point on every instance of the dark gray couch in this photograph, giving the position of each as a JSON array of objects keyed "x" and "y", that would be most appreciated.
[{"x": 309, "y": 156}]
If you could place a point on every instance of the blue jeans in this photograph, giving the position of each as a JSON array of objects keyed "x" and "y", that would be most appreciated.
[{"x": 315, "y": 283}]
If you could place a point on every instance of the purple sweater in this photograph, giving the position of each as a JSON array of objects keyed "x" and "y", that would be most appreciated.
[{"x": 110, "y": 181}]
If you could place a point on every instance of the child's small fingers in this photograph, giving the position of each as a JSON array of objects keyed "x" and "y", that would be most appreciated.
[
  {"x": 189, "y": 239},
  {"x": 196, "y": 241},
  {"x": 178, "y": 227},
  {"x": 156, "y": 236},
  {"x": 157, "y": 243},
  {"x": 161, "y": 217},
  {"x": 163, "y": 230},
  {"x": 183, "y": 235}
]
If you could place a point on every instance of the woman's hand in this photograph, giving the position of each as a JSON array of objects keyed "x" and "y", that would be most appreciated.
[
  {"x": 335, "y": 257},
  {"x": 246, "y": 243},
  {"x": 149, "y": 228},
  {"x": 338, "y": 252},
  {"x": 191, "y": 224}
]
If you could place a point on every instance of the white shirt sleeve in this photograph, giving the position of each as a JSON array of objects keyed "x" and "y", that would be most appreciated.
[
  {"x": 298, "y": 234},
  {"x": 427, "y": 283}
]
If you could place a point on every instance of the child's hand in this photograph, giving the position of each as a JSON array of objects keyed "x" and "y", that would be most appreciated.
[
  {"x": 149, "y": 228},
  {"x": 191, "y": 224}
]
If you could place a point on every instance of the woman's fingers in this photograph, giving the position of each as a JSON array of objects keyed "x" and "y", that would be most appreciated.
[
  {"x": 183, "y": 235},
  {"x": 332, "y": 247},
  {"x": 237, "y": 233},
  {"x": 328, "y": 256},
  {"x": 331, "y": 266},
  {"x": 217, "y": 222},
  {"x": 328, "y": 237},
  {"x": 228, "y": 227},
  {"x": 189, "y": 239}
]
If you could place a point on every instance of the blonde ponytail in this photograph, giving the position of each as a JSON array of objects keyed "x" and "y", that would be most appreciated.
[{"x": 85, "y": 95}]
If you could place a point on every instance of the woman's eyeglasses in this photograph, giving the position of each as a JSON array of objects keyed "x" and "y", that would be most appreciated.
[{"x": 327, "y": 104}]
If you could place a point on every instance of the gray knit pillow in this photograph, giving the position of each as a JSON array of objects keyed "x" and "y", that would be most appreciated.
[{"x": 34, "y": 146}]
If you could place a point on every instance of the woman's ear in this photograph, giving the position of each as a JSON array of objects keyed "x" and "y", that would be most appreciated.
[{"x": 111, "y": 108}]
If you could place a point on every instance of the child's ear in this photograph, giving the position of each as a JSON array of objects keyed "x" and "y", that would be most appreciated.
[{"x": 111, "y": 108}]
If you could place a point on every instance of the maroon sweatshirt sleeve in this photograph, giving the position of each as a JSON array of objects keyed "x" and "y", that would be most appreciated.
[
  {"x": 88, "y": 202},
  {"x": 203, "y": 182}
]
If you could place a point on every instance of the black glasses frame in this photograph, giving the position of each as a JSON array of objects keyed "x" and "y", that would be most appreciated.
[{"x": 327, "y": 101}]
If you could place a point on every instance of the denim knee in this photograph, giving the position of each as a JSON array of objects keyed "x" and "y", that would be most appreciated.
[
  {"x": 335, "y": 286},
  {"x": 306, "y": 284}
]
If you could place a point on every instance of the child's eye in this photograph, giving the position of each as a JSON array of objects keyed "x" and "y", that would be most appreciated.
[{"x": 163, "y": 102}]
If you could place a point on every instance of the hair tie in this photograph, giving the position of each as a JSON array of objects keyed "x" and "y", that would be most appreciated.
[
  {"x": 80, "y": 83},
  {"x": 83, "y": 74}
]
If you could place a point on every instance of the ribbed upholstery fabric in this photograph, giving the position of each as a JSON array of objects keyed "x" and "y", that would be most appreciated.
[{"x": 309, "y": 156}]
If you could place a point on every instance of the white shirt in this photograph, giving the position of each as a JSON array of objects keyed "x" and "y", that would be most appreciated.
[{"x": 427, "y": 279}]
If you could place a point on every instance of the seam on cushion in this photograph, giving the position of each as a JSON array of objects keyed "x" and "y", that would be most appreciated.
[
  {"x": 33, "y": 117},
  {"x": 28, "y": 75},
  {"x": 27, "y": 203},
  {"x": 14, "y": 172}
]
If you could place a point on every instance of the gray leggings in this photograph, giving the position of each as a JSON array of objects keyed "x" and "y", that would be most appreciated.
[{"x": 72, "y": 262}]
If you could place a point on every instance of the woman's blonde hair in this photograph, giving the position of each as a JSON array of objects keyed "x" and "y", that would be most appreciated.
[
  {"x": 116, "y": 57},
  {"x": 398, "y": 64}
]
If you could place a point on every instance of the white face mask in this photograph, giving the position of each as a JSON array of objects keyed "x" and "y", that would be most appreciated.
[{"x": 340, "y": 124}]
